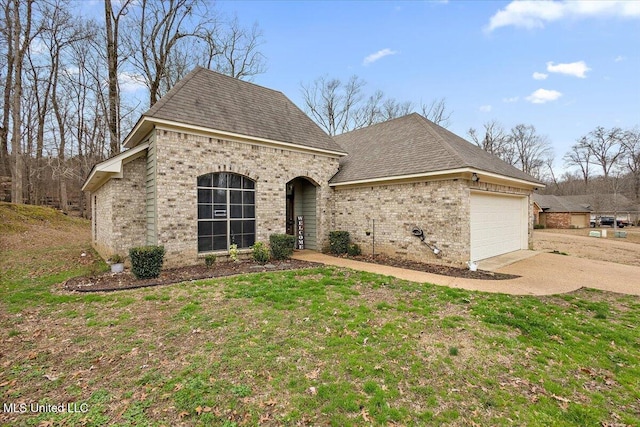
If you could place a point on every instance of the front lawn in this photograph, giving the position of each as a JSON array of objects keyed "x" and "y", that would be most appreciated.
[{"x": 321, "y": 346}]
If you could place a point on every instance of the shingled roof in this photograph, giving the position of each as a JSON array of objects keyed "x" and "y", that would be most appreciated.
[
  {"x": 212, "y": 100},
  {"x": 413, "y": 145},
  {"x": 550, "y": 203}
]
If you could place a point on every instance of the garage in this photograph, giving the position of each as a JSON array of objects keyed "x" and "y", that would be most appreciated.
[{"x": 498, "y": 224}]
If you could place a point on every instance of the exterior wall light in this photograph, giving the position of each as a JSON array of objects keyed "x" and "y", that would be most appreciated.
[{"x": 475, "y": 177}]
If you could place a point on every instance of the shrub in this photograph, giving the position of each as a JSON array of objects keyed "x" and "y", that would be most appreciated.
[
  {"x": 233, "y": 253},
  {"x": 354, "y": 249},
  {"x": 260, "y": 253},
  {"x": 209, "y": 260},
  {"x": 146, "y": 261},
  {"x": 538, "y": 226},
  {"x": 281, "y": 246},
  {"x": 339, "y": 242},
  {"x": 116, "y": 259}
]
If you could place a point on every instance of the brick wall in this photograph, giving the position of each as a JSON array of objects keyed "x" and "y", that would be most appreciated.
[
  {"x": 440, "y": 208},
  {"x": 182, "y": 157},
  {"x": 120, "y": 219},
  {"x": 563, "y": 220}
]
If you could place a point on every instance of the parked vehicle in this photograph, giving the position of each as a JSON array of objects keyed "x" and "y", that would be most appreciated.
[{"x": 608, "y": 220}]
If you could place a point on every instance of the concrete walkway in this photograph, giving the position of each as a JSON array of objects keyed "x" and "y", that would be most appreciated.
[{"x": 541, "y": 274}]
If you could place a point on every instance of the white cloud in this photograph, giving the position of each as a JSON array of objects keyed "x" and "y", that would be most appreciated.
[
  {"x": 37, "y": 46},
  {"x": 535, "y": 14},
  {"x": 131, "y": 82},
  {"x": 577, "y": 69},
  {"x": 542, "y": 96},
  {"x": 620, "y": 58},
  {"x": 539, "y": 76},
  {"x": 72, "y": 71},
  {"x": 510, "y": 100},
  {"x": 378, "y": 55},
  {"x": 485, "y": 108}
]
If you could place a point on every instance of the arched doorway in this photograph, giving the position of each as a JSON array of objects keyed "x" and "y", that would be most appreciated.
[{"x": 301, "y": 206}]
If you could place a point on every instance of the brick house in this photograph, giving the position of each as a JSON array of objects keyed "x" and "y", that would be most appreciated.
[
  {"x": 219, "y": 161},
  {"x": 562, "y": 212}
]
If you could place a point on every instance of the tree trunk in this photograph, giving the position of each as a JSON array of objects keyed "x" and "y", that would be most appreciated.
[
  {"x": 5, "y": 160},
  {"x": 19, "y": 49},
  {"x": 112, "y": 65}
]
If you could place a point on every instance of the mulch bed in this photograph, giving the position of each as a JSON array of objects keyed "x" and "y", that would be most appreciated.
[
  {"x": 434, "y": 268},
  {"x": 119, "y": 281},
  {"x": 116, "y": 282}
]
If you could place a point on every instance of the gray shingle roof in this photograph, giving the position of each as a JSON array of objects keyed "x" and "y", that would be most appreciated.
[
  {"x": 594, "y": 202},
  {"x": 212, "y": 100},
  {"x": 412, "y": 145},
  {"x": 550, "y": 203}
]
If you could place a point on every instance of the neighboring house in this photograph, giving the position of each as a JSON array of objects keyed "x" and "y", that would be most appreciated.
[
  {"x": 219, "y": 161},
  {"x": 578, "y": 210},
  {"x": 608, "y": 204},
  {"x": 561, "y": 212}
]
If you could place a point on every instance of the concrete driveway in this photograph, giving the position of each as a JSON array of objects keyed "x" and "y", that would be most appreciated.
[{"x": 541, "y": 274}]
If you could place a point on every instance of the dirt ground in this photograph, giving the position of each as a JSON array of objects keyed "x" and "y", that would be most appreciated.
[{"x": 578, "y": 243}]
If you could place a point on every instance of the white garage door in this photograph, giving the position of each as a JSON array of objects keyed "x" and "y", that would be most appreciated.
[{"x": 498, "y": 225}]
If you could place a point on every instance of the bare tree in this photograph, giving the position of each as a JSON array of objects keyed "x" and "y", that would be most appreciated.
[
  {"x": 60, "y": 30},
  {"x": 631, "y": 147},
  {"x": 495, "y": 141},
  {"x": 531, "y": 149},
  {"x": 238, "y": 54},
  {"x": 333, "y": 104},
  {"x": 19, "y": 15},
  {"x": 112, "y": 27},
  {"x": 605, "y": 147},
  {"x": 7, "y": 65},
  {"x": 580, "y": 156},
  {"x": 392, "y": 109},
  {"x": 370, "y": 112},
  {"x": 437, "y": 112},
  {"x": 171, "y": 37},
  {"x": 339, "y": 107}
]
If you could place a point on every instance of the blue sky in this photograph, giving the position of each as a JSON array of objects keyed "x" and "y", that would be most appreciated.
[{"x": 479, "y": 55}]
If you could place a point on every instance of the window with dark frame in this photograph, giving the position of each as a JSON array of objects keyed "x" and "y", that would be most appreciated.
[{"x": 226, "y": 211}]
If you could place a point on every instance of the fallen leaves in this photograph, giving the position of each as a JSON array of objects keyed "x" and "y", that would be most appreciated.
[{"x": 201, "y": 410}]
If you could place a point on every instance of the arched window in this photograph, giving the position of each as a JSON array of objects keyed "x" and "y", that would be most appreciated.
[{"x": 226, "y": 211}]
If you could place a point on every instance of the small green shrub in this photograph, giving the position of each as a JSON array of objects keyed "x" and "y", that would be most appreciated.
[
  {"x": 281, "y": 246},
  {"x": 453, "y": 351},
  {"x": 354, "y": 249},
  {"x": 116, "y": 259},
  {"x": 146, "y": 261},
  {"x": 209, "y": 260},
  {"x": 339, "y": 242},
  {"x": 233, "y": 253},
  {"x": 260, "y": 253},
  {"x": 538, "y": 226}
]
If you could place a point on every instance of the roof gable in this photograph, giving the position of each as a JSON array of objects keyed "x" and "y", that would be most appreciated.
[
  {"x": 413, "y": 145},
  {"x": 205, "y": 98}
]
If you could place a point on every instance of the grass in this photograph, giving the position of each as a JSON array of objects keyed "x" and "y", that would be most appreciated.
[{"x": 321, "y": 346}]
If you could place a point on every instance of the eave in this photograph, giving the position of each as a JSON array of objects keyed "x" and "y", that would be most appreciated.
[
  {"x": 460, "y": 173},
  {"x": 112, "y": 168},
  {"x": 146, "y": 125}
]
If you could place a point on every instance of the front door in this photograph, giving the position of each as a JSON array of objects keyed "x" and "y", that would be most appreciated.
[
  {"x": 301, "y": 202},
  {"x": 291, "y": 219}
]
